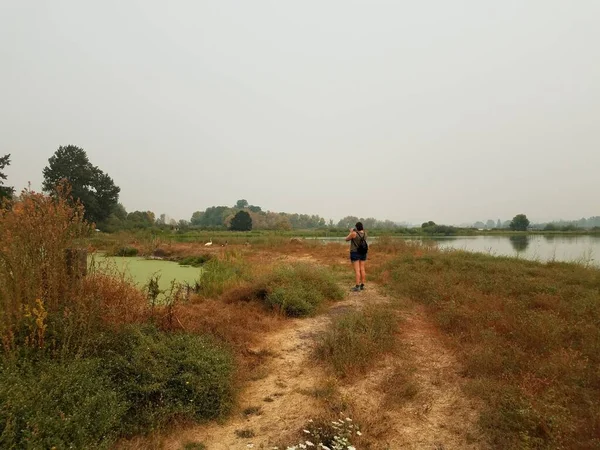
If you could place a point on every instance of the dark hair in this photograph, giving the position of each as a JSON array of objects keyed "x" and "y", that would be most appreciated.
[{"x": 359, "y": 226}]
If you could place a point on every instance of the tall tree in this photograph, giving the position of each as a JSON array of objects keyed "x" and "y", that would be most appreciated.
[
  {"x": 196, "y": 219},
  {"x": 5, "y": 191},
  {"x": 241, "y": 222},
  {"x": 95, "y": 189},
  {"x": 241, "y": 204},
  {"x": 519, "y": 223}
]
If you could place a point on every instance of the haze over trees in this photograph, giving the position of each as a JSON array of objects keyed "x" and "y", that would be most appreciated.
[
  {"x": 369, "y": 223},
  {"x": 91, "y": 186},
  {"x": 5, "y": 191},
  {"x": 571, "y": 225}
]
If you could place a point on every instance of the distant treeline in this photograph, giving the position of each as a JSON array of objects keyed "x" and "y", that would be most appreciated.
[
  {"x": 220, "y": 217},
  {"x": 571, "y": 225}
]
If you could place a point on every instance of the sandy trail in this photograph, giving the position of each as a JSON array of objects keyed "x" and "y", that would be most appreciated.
[{"x": 274, "y": 407}]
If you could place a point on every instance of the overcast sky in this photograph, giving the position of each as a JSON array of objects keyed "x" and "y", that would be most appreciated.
[{"x": 451, "y": 111}]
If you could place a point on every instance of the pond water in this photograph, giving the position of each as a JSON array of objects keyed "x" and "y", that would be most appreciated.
[
  {"x": 141, "y": 269},
  {"x": 580, "y": 249}
]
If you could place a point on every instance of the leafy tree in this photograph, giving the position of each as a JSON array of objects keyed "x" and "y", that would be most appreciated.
[
  {"x": 431, "y": 223},
  {"x": 116, "y": 221},
  {"x": 141, "y": 219},
  {"x": 95, "y": 189},
  {"x": 254, "y": 208},
  {"x": 498, "y": 224},
  {"x": 490, "y": 224},
  {"x": 5, "y": 191},
  {"x": 241, "y": 204},
  {"x": 347, "y": 222},
  {"x": 120, "y": 212},
  {"x": 196, "y": 219},
  {"x": 214, "y": 216},
  {"x": 519, "y": 223},
  {"x": 241, "y": 222},
  {"x": 479, "y": 225}
]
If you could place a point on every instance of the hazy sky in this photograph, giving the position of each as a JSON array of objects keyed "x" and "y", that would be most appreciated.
[{"x": 449, "y": 111}]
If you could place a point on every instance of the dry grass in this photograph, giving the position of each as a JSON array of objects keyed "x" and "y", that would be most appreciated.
[
  {"x": 357, "y": 339},
  {"x": 240, "y": 324},
  {"x": 528, "y": 334}
]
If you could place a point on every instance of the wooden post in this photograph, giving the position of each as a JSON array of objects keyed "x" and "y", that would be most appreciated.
[{"x": 76, "y": 259}]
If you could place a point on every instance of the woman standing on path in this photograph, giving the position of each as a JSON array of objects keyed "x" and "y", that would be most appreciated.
[{"x": 358, "y": 254}]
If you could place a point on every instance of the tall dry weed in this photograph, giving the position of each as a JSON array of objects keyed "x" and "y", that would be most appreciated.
[
  {"x": 43, "y": 295},
  {"x": 34, "y": 236}
]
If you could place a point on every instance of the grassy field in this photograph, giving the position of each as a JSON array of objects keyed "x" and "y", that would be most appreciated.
[{"x": 527, "y": 334}]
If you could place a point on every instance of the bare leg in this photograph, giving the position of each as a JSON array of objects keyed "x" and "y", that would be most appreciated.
[
  {"x": 363, "y": 273},
  {"x": 356, "y": 271}
]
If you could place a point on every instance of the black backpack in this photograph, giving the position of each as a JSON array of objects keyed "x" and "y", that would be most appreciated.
[{"x": 362, "y": 246}]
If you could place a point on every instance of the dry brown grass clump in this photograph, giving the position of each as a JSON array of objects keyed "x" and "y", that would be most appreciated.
[
  {"x": 240, "y": 324},
  {"x": 357, "y": 339},
  {"x": 118, "y": 301}
]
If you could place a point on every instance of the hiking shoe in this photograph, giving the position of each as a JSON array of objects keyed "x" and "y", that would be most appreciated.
[
  {"x": 362, "y": 287},
  {"x": 355, "y": 289}
]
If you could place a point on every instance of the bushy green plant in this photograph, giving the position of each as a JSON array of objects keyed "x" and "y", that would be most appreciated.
[
  {"x": 219, "y": 274},
  {"x": 126, "y": 251},
  {"x": 58, "y": 404},
  {"x": 298, "y": 289},
  {"x": 195, "y": 261},
  {"x": 167, "y": 375}
]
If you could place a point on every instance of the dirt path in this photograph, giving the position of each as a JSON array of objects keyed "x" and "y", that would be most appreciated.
[
  {"x": 275, "y": 406},
  {"x": 438, "y": 416}
]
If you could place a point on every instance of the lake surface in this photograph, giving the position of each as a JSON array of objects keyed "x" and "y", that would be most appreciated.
[
  {"x": 140, "y": 270},
  {"x": 579, "y": 249}
]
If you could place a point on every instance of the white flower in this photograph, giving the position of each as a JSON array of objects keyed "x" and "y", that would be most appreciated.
[
  {"x": 310, "y": 444},
  {"x": 250, "y": 445},
  {"x": 348, "y": 419},
  {"x": 306, "y": 431},
  {"x": 359, "y": 433},
  {"x": 351, "y": 447}
]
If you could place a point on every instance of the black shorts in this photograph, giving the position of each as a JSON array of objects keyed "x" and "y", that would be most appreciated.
[{"x": 355, "y": 256}]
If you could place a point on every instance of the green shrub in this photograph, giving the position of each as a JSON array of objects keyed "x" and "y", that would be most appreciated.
[
  {"x": 125, "y": 251},
  {"x": 195, "y": 261},
  {"x": 218, "y": 275},
  {"x": 357, "y": 338},
  {"x": 132, "y": 381},
  {"x": 58, "y": 404},
  {"x": 299, "y": 289},
  {"x": 163, "y": 376}
]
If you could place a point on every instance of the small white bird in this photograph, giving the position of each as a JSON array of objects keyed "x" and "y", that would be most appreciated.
[{"x": 209, "y": 243}]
